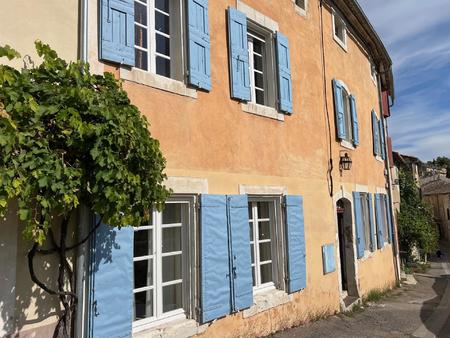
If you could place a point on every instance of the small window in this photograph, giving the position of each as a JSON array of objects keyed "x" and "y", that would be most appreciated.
[
  {"x": 301, "y": 4},
  {"x": 264, "y": 245},
  {"x": 161, "y": 269},
  {"x": 158, "y": 37},
  {"x": 373, "y": 72},
  {"x": 347, "y": 116},
  {"x": 366, "y": 220},
  {"x": 262, "y": 72},
  {"x": 340, "y": 30}
]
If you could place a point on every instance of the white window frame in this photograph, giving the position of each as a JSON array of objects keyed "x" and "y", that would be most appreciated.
[
  {"x": 176, "y": 23},
  {"x": 188, "y": 274},
  {"x": 338, "y": 19},
  {"x": 347, "y": 115},
  {"x": 276, "y": 239},
  {"x": 299, "y": 9},
  {"x": 373, "y": 72}
]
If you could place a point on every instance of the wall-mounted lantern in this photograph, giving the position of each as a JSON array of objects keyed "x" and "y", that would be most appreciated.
[{"x": 345, "y": 162}]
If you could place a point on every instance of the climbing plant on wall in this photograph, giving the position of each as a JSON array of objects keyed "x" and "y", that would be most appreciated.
[{"x": 69, "y": 137}]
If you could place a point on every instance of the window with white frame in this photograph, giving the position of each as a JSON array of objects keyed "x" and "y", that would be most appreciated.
[
  {"x": 301, "y": 4},
  {"x": 384, "y": 221},
  {"x": 264, "y": 241},
  {"x": 365, "y": 201},
  {"x": 158, "y": 37},
  {"x": 262, "y": 71},
  {"x": 373, "y": 72},
  {"x": 347, "y": 116},
  {"x": 339, "y": 30},
  {"x": 161, "y": 263}
]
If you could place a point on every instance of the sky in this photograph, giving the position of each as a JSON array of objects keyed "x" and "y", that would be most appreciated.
[{"x": 416, "y": 34}]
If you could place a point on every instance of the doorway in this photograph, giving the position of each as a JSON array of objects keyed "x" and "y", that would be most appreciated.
[{"x": 346, "y": 249}]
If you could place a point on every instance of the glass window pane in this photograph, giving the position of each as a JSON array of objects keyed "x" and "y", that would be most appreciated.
[
  {"x": 250, "y": 214},
  {"x": 143, "y": 243},
  {"x": 259, "y": 96},
  {"x": 171, "y": 268},
  {"x": 251, "y": 230},
  {"x": 171, "y": 213},
  {"x": 265, "y": 251},
  {"x": 300, "y": 3},
  {"x": 143, "y": 305},
  {"x": 263, "y": 209},
  {"x": 252, "y": 250},
  {"x": 258, "y": 62},
  {"x": 143, "y": 273},
  {"x": 141, "y": 59},
  {"x": 259, "y": 80},
  {"x": 266, "y": 273},
  {"x": 140, "y": 36},
  {"x": 162, "y": 45},
  {"x": 264, "y": 230},
  {"x": 253, "y": 276},
  {"x": 162, "y": 5},
  {"x": 258, "y": 46},
  {"x": 171, "y": 239},
  {"x": 140, "y": 13},
  {"x": 162, "y": 23},
  {"x": 172, "y": 297}
]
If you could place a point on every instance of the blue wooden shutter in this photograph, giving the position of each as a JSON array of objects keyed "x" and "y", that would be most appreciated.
[
  {"x": 284, "y": 74},
  {"x": 238, "y": 48},
  {"x": 117, "y": 31},
  {"x": 295, "y": 240},
  {"x": 372, "y": 224},
  {"x": 354, "y": 120},
  {"x": 111, "y": 283},
  {"x": 241, "y": 262},
  {"x": 215, "y": 291},
  {"x": 199, "y": 63},
  {"x": 375, "y": 134},
  {"x": 359, "y": 226},
  {"x": 378, "y": 216},
  {"x": 339, "y": 109},
  {"x": 383, "y": 145},
  {"x": 329, "y": 262},
  {"x": 387, "y": 202}
]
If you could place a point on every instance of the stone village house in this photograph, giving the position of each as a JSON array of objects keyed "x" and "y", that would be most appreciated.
[{"x": 259, "y": 107}]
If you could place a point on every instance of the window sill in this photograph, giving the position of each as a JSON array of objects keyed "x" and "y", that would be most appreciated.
[
  {"x": 300, "y": 11},
  {"x": 348, "y": 145},
  {"x": 157, "y": 81},
  {"x": 263, "y": 301},
  {"x": 340, "y": 43},
  {"x": 256, "y": 109},
  {"x": 378, "y": 158},
  {"x": 175, "y": 328}
]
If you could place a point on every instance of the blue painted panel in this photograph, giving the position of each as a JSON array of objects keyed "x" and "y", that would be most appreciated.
[
  {"x": 359, "y": 226},
  {"x": 111, "y": 295},
  {"x": 239, "y": 59},
  {"x": 339, "y": 109},
  {"x": 116, "y": 41},
  {"x": 375, "y": 134},
  {"x": 354, "y": 115},
  {"x": 240, "y": 252},
  {"x": 328, "y": 258},
  {"x": 284, "y": 74},
  {"x": 372, "y": 225},
  {"x": 378, "y": 216},
  {"x": 295, "y": 240},
  {"x": 199, "y": 49},
  {"x": 215, "y": 293}
]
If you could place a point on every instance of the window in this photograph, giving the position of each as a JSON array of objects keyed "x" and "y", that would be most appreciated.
[
  {"x": 373, "y": 72},
  {"x": 380, "y": 137},
  {"x": 339, "y": 30},
  {"x": 158, "y": 37},
  {"x": 161, "y": 256},
  {"x": 262, "y": 73},
  {"x": 263, "y": 222},
  {"x": 347, "y": 116},
  {"x": 366, "y": 220},
  {"x": 301, "y": 4},
  {"x": 384, "y": 221}
]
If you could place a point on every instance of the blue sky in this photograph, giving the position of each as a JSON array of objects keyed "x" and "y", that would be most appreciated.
[{"x": 417, "y": 36}]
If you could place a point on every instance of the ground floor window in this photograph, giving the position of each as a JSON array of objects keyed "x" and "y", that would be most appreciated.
[
  {"x": 161, "y": 263},
  {"x": 384, "y": 221},
  {"x": 264, "y": 220},
  {"x": 365, "y": 201}
]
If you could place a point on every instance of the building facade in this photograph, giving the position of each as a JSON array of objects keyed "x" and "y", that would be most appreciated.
[
  {"x": 272, "y": 116},
  {"x": 436, "y": 194}
]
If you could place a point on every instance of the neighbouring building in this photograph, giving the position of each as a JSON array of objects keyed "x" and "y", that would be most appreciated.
[
  {"x": 272, "y": 116},
  {"x": 437, "y": 194},
  {"x": 409, "y": 164}
]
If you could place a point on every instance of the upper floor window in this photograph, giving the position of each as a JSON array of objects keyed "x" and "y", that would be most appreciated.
[
  {"x": 373, "y": 72},
  {"x": 339, "y": 30},
  {"x": 301, "y": 6},
  {"x": 158, "y": 37},
  {"x": 346, "y": 116}
]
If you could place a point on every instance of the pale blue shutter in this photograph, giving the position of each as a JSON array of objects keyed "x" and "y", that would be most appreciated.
[
  {"x": 359, "y": 226},
  {"x": 379, "y": 218},
  {"x": 214, "y": 259},
  {"x": 295, "y": 240},
  {"x": 117, "y": 31},
  {"x": 111, "y": 283},
  {"x": 372, "y": 224},
  {"x": 241, "y": 263},
  {"x": 329, "y": 262},
  {"x": 383, "y": 145},
  {"x": 239, "y": 71},
  {"x": 354, "y": 120},
  {"x": 284, "y": 74},
  {"x": 387, "y": 201},
  {"x": 375, "y": 134},
  {"x": 339, "y": 109},
  {"x": 199, "y": 63}
]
